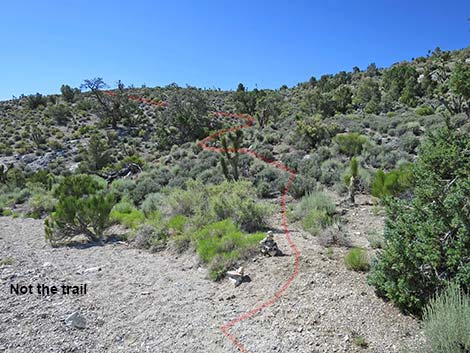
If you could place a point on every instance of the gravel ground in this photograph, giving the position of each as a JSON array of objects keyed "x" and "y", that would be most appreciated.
[{"x": 143, "y": 302}]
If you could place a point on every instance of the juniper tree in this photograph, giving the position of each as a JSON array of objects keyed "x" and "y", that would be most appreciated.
[
  {"x": 460, "y": 85},
  {"x": 60, "y": 113},
  {"x": 68, "y": 93},
  {"x": 35, "y": 100},
  {"x": 116, "y": 105},
  {"x": 267, "y": 108},
  {"x": 83, "y": 208},
  {"x": 428, "y": 237},
  {"x": 96, "y": 156}
]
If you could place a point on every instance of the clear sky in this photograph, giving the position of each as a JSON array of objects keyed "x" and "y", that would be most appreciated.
[{"x": 214, "y": 43}]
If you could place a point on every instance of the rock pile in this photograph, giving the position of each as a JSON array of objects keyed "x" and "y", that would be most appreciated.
[
  {"x": 236, "y": 277},
  {"x": 268, "y": 246}
]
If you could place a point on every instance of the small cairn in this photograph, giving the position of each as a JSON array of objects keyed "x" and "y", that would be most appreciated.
[{"x": 268, "y": 246}]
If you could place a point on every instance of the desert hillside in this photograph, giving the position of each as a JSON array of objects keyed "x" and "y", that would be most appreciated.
[{"x": 155, "y": 198}]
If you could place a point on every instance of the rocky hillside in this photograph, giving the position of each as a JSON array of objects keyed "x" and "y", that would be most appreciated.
[{"x": 154, "y": 196}]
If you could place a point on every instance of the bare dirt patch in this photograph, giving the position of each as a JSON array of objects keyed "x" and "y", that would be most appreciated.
[{"x": 142, "y": 302}]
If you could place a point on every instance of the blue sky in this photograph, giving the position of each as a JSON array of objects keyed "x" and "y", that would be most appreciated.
[{"x": 214, "y": 43}]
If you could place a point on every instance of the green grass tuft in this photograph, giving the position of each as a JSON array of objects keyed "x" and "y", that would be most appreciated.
[
  {"x": 222, "y": 243},
  {"x": 130, "y": 217},
  {"x": 356, "y": 259}
]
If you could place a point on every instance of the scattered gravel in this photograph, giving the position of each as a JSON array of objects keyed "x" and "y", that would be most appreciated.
[{"x": 142, "y": 302}]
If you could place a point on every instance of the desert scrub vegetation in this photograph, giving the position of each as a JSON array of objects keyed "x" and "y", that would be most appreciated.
[
  {"x": 222, "y": 244},
  {"x": 218, "y": 221},
  {"x": 128, "y": 215},
  {"x": 377, "y": 115},
  {"x": 315, "y": 211},
  {"x": 210, "y": 203},
  {"x": 446, "y": 321},
  {"x": 350, "y": 144}
]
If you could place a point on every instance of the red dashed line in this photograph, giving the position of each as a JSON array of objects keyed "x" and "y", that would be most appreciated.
[{"x": 204, "y": 144}]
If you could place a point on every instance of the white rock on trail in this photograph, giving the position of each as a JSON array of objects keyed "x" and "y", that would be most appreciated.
[{"x": 75, "y": 320}]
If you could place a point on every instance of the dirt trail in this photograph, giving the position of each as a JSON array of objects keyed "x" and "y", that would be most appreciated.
[
  {"x": 269, "y": 301},
  {"x": 143, "y": 302}
]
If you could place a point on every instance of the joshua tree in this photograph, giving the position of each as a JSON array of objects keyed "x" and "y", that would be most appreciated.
[
  {"x": 353, "y": 180},
  {"x": 231, "y": 154},
  {"x": 3, "y": 174},
  {"x": 37, "y": 136}
]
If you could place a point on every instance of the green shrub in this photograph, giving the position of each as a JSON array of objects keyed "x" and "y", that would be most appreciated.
[
  {"x": 392, "y": 183},
  {"x": 83, "y": 208},
  {"x": 314, "y": 201},
  {"x": 179, "y": 233},
  {"x": 60, "y": 113},
  {"x": 40, "y": 204},
  {"x": 124, "y": 206},
  {"x": 299, "y": 187},
  {"x": 6, "y": 261},
  {"x": 264, "y": 189},
  {"x": 221, "y": 244},
  {"x": 55, "y": 145},
  {"x": 409, "y": 142},
  {"x": 267, "y": 179},
  {"x": 205, "y": 204},
  {"x": 447, "y": 322},
  {"x": 10, "y": 198},
  {"x": 316, "y": 211},
  {"x": 152, "y": 203},
  {"x": 150, "y": 182},
  {"x": 236, "y": 200},
  {"x": 427, "y": 238},
  {"x": 35, "y": 100},
  {"x": 413, "y": 127},
  {"x": 330, "y": 171},
  {"x": 6, "y": 212},
  {"x": 122, "y": 187},
  {"x": 356, "y": 259},
  {"x": 126, "y": 214},
  {"x": 315, "y": 220},
  {"x": 133, "y": 159},
  {"x": 177, "y": 223},
  {"x": 360, "y": 341},
  {"x": 190, "y": 202},
  {"x": 351, "y": 143},
  {"x": 334, "y": 235},
  {"x": 315, "y": 129},
  {"x": 147, "y": 236},
  {"x": 376, "y": 240}
]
